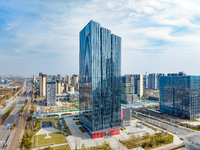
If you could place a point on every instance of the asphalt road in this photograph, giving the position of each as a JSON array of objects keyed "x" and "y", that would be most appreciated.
[
  {"x": 13, "y": 100},
  {"x": 13, "y": 117},
  {"x": 191, "y": 137}
]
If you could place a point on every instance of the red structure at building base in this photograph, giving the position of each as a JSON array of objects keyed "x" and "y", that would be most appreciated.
[{"x": 101, "y": 134}]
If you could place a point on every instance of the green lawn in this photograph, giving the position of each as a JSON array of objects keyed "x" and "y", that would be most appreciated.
[
  {"x": 152, "y": 141},
  {"x": 56, "y": 138},
  {"x": 195, "y": 128}
]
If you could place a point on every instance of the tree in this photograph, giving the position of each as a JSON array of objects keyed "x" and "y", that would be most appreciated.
[
  {"x": 29, "y": 118},
  {"x": 83, "y": 147},
  {"x": 14, "y": 124},
  {"x": 132, "y": 139},
  {"x": 31, "y": 111},
  {"x": 26, "y": 141}
]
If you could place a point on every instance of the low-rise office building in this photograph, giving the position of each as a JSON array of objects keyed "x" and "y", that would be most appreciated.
[{"x": 180, "y": 96}]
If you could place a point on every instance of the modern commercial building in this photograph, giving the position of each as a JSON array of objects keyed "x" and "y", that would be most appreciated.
[
  {"x": 68, "y": 81},
  {"x": 62, "y": 87},
  {"x": 152, "y": 81},
  {"x": 42, "y": 84},
  {"x": 70, "y": 89},
  {"x": 133, "y": 84},
  {"x": 74, "y": 80},
  {"x": 128, "y": 94},
  {"x": 100, "y": 80},
  {"x": 176, "y": 74},
  {"x": 66, "y": 88},
  {"x": 34, "y": 79},
  {"x": 180, "y": 96},
  {"x": 71, "y": 96},
  {"x": 158, "y": 79},
  {"x": 77, "y": 87},
  {"x": 58, "y": 86},
  {"x": 126, "y": 115},
  {"x": 51, "y": 90}
]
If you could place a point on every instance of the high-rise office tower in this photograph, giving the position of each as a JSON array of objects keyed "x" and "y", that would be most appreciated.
[
  {"x": 34, "y": 79},
  {"x": 0, "y": 79},
  {"x": 51, "y": 90},
  {"x": 180, "y": 95},
  {"x": 58, "y": 87},
  {"x": 40, "y": 84},
  {"x": 66, "y": 86},
  {"x": 134, "y": 83},
  {"x": 74, "y": 80},
  {"x": 100, "y": 80},
  {"x": 158, "y": 79},
  {"x": 68, "y": 81},
  {"x": 152, "y": 81},
  {"x": 77, "y": 86},
  {"x": 44, "y": 85}
]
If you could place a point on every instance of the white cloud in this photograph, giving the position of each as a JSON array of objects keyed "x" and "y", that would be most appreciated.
[{"x": 150, "y": 30}]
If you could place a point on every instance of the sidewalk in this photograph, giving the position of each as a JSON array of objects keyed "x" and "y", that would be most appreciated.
[
  {"x": 50, "y": 146},
  {"x": 165, "y": 146},
  {"x": 176, "y": 140}
]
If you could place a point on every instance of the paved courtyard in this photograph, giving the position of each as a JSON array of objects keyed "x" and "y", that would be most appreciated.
[{"x": 77, "y": 139}]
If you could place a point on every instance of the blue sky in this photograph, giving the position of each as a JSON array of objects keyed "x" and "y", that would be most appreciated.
[{"x": 43, "y": 35}]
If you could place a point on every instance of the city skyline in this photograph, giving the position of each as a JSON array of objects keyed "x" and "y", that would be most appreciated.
[{"x": 42, "y": 36}]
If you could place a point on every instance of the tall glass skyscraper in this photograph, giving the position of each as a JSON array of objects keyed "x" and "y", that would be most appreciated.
[
  {"x": 180, "y": 96},
  {"x": 100, "y": 80}
]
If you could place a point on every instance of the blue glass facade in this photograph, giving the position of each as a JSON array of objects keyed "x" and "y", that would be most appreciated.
[
  {"x": 180, "y": 96},
  {"x": 100, "y": 78}
]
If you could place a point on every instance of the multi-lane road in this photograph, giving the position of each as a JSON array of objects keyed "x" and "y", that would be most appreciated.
[
  {"x": 12, "y": 100},
  {"x": 14, "y": 116},
  {"x": 191, "y": 137}
]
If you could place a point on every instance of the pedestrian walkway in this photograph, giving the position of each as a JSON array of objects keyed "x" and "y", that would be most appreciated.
[
  {"x": 165, "y": 146},
  {"x": 56, "y": 145}
]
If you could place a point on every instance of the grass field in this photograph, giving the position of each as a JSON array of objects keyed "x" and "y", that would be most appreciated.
[{"x": 56, "y": 138}]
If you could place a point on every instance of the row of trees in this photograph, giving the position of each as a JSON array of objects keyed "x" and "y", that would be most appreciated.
[
  {"x": 148, "y": 141},
  {"x": 7, "y": 114},
  {"x": 156, "y": 139}
]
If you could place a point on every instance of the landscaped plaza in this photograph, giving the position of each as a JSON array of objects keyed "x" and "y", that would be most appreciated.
[{"x": 50, "y": 134}]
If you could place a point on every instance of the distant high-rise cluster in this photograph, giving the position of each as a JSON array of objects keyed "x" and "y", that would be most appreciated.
[
  {"x": 133, "y": 86},
  {"x": 47, "y": 84},
  {"x": 153, "y": 80}
]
